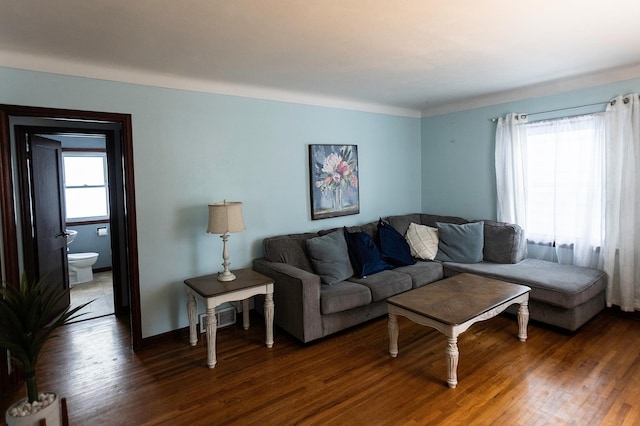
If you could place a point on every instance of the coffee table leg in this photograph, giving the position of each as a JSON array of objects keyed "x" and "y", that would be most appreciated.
[
  {"x": 452, "y": 361},
  {"x": 268, "y": 318},
  {"x": 393, "y": 335},
  {"x": 523, "y": 320},
  {"x": 212, "y": 326}
]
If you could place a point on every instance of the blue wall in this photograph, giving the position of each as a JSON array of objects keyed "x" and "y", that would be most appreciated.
[
  {"x": 458, "y": 167},
  {"x": 88, "y": 240},
  {"x": 191, "y": 149}
]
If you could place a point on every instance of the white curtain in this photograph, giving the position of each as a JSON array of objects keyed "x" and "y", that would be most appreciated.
[
  {"x": 622, "y": 207},
  {"x": 549, "y": 178},
  {"x": 511, "y": 169},
  {"x": 566, "y": 172}
]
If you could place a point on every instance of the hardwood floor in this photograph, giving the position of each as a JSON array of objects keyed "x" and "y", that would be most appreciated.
[{"x": 589, "y": 378}]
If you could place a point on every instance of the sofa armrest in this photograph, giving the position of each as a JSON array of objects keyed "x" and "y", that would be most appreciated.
[{"x": 296, "y": 297}]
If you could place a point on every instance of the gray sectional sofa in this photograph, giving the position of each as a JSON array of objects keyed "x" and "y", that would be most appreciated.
[{"x": 308, "y": 308}]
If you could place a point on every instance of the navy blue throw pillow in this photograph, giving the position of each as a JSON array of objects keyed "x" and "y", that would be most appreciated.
[
  {"x": 393, "y": 245},
  {"x": 364, "y": 254}
]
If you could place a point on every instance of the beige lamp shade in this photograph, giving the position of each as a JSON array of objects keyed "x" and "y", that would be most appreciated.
[{"x": 225, "y": 217}]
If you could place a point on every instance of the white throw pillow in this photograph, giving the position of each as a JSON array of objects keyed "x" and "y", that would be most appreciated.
[{"x": 423, "y": 241}]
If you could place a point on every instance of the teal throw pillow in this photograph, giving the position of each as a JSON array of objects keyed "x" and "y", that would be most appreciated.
[
  {"x": 330, "y": 257},
  {"x": 460, "y": 243}
]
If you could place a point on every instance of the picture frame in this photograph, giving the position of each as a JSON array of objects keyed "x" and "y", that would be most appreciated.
[{"x": 335, "y": 185}]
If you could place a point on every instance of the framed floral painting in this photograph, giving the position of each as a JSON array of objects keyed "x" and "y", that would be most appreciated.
[{"x": 334, "y": 180}]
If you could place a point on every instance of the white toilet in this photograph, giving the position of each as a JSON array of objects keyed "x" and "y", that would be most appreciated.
[{"x": 80, "y": 264}]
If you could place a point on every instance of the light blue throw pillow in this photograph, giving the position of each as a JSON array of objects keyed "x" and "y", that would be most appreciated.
[
  {"x": 460, "y": 243},
  {"x": 330, "y": 257}
]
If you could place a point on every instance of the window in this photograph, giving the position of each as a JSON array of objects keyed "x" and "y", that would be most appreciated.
[
  {"x": 564, "y": 180},
  {"x": 86, "y": 186}
]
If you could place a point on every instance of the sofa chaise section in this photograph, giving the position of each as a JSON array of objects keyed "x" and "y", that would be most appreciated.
[{"x": 564, "y": 296}]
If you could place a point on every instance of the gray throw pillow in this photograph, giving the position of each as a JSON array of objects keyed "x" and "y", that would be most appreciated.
[
  {"x": 330, "y": 257},
  {"x": 460, "y": 243}
]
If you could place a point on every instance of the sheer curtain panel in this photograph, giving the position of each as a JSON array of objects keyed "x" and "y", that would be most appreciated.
[
  {"x": 565, "y": 184},
  {"x": 622, "y": 205},
  {"x": 511, "y": 172},
  {"x": 549, "y": 178}
]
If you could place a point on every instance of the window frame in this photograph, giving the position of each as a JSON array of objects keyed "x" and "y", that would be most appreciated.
[{"x": 87, "y": 152}]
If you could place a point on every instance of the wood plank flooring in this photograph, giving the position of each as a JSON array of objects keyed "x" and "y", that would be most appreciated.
[{"x": 589, "y": 378}]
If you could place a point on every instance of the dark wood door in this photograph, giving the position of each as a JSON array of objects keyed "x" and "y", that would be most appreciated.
[{"x": 47, "y": 212}]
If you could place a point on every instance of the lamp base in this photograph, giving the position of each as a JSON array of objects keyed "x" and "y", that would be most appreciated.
[{"x": 226, "y": 276}]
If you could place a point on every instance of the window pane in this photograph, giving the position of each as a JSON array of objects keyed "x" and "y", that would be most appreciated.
[
  {"x": 541, "y": 163},
  {"x": 84, "y": 170},
  {"x": 564, "y": 159},
  {"x": 86, "y": 202}
]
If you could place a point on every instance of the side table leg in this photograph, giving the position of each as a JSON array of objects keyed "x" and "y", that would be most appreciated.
[
  {"x": 452, "y": 361},
  {"x": 191, "y": 311},
  {"x": 245, "y": 314},
  {"x": 268, "y": 318},
  {"x": 212, "y": 328},
  {"x": 393, "y": 335},
  {"x": 523, "y": 320}
]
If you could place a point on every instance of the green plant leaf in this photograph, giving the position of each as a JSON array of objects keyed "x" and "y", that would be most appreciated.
[{"x": 27, "y": 321}]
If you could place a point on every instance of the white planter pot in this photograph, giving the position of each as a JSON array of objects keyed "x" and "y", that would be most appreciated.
[{"x": 50, "y": 413}]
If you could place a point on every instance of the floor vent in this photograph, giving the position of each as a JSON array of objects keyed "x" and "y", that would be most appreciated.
[{"x": 225, "y": 317}]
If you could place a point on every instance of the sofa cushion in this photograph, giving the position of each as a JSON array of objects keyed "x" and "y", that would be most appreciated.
[
  {"x": 565, "y": 286},
  {"x": 423, "y": 241},
  {"x": 393, "y": 246},
  {"x": 504, "y": 242},
  {"x": 401, "y": 222},
  {"x": 343, "y": 296},
  {"x": 290, "y": 249},
  {"x": 433, "y": 219},
  {"x": 460, "y": 243},
  {"x": 370, "y": 228},
  {"x": 364, "y": 254},
  {"x": 423, "y": 272},
  {"x": 330, "y": 257},
  {"x": 385, "y": 284}
]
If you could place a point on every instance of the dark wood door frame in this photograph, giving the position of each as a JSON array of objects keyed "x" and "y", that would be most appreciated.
[{"x": 124, "y": 222}]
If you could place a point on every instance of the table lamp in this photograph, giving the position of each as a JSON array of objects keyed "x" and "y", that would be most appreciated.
[{"x": 224, "y": 218}]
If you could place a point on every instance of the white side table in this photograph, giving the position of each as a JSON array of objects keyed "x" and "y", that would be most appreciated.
[{"x": 248, "y": 283}]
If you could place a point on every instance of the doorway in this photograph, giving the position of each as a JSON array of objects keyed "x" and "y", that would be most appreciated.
[
  {"x": 122, "y": 203},
  {"x": 82, "y": 216}
]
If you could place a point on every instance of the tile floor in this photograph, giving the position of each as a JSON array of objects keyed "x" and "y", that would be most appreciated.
[{"x": 100, "y": 289}]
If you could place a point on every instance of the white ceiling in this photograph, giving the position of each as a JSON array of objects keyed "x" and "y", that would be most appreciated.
[{"x": 410, "y": 57}]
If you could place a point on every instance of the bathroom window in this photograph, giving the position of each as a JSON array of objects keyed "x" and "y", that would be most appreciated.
[{"x": 86, "y": 186}]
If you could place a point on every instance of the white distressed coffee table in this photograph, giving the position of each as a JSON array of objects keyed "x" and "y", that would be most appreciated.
[
  {"x": 248, "y": 283},
  {"x": 452, "y": 305}
]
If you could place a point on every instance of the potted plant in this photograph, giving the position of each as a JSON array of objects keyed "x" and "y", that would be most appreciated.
[{"x": 26, "y": 323}]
